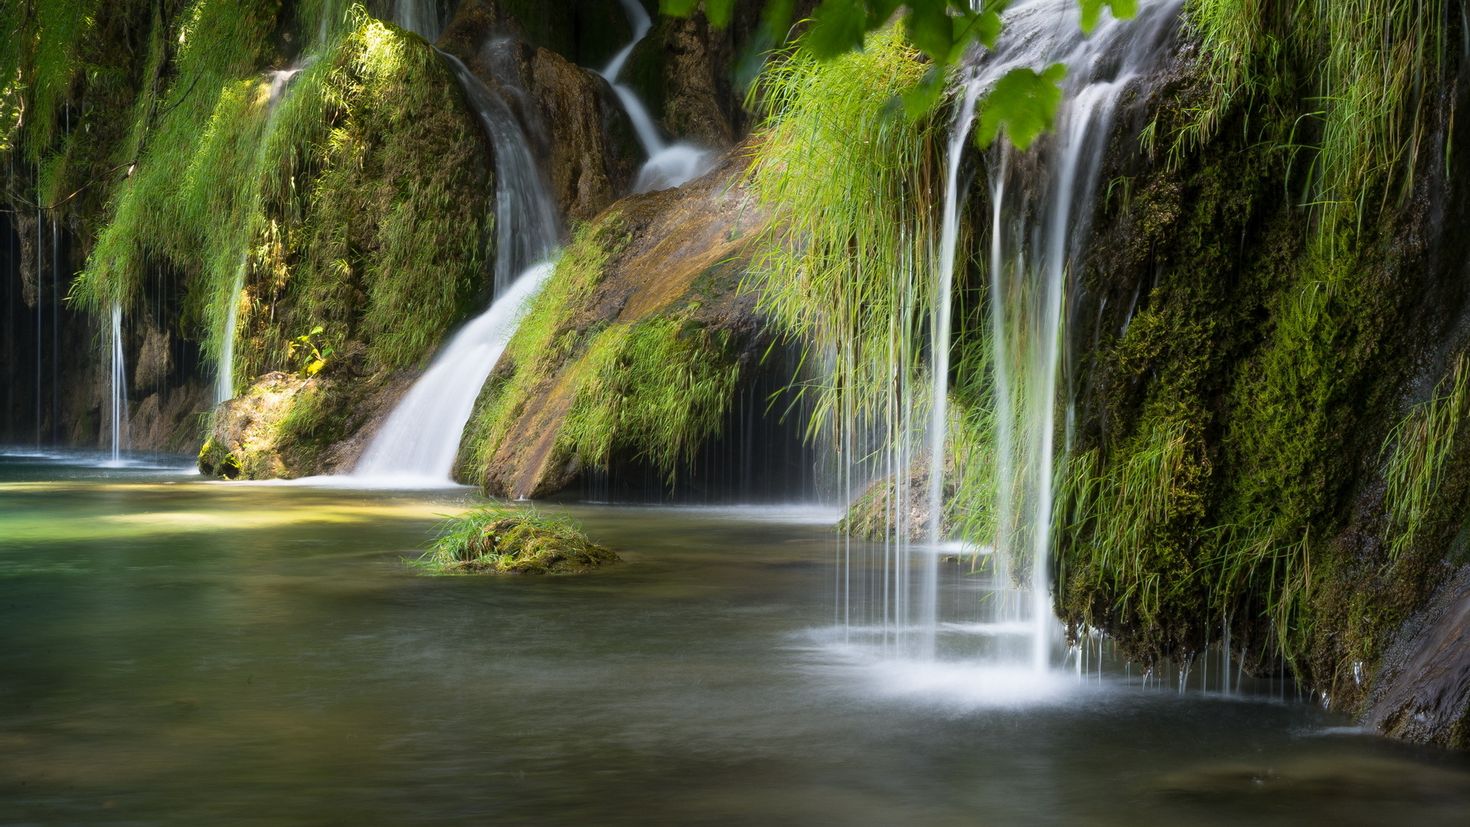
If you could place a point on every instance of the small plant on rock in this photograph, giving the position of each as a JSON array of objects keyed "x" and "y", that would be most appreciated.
[{"x": 500, "y": 539}]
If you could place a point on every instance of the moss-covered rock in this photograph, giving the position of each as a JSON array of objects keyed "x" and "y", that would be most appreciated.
[
  {"x": 504, "y": 540},
  {"x": 635, "y": 349}
]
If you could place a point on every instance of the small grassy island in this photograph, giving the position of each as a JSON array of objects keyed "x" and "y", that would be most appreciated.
[{"x": 499, "y": 539}]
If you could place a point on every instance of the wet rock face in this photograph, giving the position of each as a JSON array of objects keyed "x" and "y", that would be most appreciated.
[
  {"x": 699, "y": 101},
  {"x": 693, "y": 76},
  {"x": 1422, "y": 691}
]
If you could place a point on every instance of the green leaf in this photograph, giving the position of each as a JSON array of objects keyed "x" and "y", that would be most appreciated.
[
  {"x": 837, "y": 26},
  {"x": 922, "y": 97},
  {"x": 1092, "y": 11},
  {"x": 1023, "y": 103},
  {"x": 930, "y": 29}
]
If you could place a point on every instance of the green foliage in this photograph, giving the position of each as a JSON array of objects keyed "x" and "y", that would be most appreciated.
[
  {"x": 385, "y": 215},
  {"x": 1418, "y": 452},
  {"x": 844, "y": 267},
  {"x": 508, "y": 540},
  {"x": 1092, "y": 11},
  {"x": 312, "y": 351},
  {"x": 355, "y": 201},
  {"x": 941, "y": 29},
  {"x": 56, "y": 32},
  {"x": 218, "y": 44},
  {"x": 657, "y": 389},
  {"x": 1024, "y": 103},
  {"x": 1373, "y": 65},
  {"x": 545, "y": 339}
]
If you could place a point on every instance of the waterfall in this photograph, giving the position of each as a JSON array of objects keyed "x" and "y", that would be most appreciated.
[
  {"x": 40, "y": 325},
  {"x": 668, "y": 165},
  {"x": 939, "y": 350},
  {"x": 1037, "y": 229},
  {"x": 526, "y": 225},
  {"x": 119, "y": 385},
  {"x": 1041, "y": 211},
  {"x": 420, "y": 439},
  {"x": 224, "y": 374}
]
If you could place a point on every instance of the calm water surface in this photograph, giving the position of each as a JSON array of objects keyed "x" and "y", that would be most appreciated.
[{"x": 188, "y": 652}]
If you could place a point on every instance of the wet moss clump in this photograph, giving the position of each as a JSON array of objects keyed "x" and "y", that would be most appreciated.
[{"x": 506, "y": 540}]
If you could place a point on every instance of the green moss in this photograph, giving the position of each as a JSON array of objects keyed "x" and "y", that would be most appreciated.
[
  {"x": 506, "y": 540},
  {"x": 655, "y": 390},
  {"x": 1365, "y": 119},
  {"x": 358, "y": 200},
  {"x": 1419, "y": 451},
  {"x": 547, "y": 337}
]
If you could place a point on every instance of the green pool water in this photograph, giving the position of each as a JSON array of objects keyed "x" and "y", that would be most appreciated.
[{"x": 188, "y": 652}]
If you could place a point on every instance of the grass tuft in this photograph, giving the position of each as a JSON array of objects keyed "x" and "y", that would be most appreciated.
[{"x": 508, "y": 540}]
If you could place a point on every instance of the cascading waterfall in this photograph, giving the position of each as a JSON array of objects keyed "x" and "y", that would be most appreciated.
[
  {"x": 668, "y": 165},
  {"x": 419, "y": 441},
  {"x": 1041, "y": 212},
  {"x": 418, "y": 16},
  {"x": 1036, "y": 236},
  {"x": 526, "y": 226},
  {"x": 118, "y": 385},
  {"x": 939, "y": 369}
]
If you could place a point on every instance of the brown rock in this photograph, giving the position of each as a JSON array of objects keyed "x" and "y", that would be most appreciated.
[{"x": 686, "y": 249}]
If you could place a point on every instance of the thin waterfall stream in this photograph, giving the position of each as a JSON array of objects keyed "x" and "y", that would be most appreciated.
[
  {"x": 224, "y": 381},
  {"x": 668, "y": 165},
  {"x": 118, "y": 386}
]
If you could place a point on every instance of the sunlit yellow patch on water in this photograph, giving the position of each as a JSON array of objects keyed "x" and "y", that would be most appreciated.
[{"x": 191, "y": 508}]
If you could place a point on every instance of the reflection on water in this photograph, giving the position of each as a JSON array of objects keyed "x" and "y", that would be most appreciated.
[{"x": 179, "y": 651}]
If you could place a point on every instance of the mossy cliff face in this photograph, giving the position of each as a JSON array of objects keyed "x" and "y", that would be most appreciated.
[
  {"x": 633, "y": 351},
  {"x": 290, "y": 168},
  {"x": 1240, "y": 368}
]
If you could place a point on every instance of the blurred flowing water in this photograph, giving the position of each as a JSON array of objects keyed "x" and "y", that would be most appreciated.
[{"x": 180, "y": 651}]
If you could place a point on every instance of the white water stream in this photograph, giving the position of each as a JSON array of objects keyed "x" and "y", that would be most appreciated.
[
  {"x": 668, "y": 165},
  {"x": 526, "y": 224},
  {"x": 419, "y": 441},
  {"x": 1041, "y": 216},
  {"x": 118, "y": 386}
]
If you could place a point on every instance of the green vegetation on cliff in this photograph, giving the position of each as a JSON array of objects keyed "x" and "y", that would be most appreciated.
[
  {"x": 356, "y": 198},
  {"x": 631, "y": 354},
  {"x": 1356, "y": 81},
  {"x": 286, "y": 168}
]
